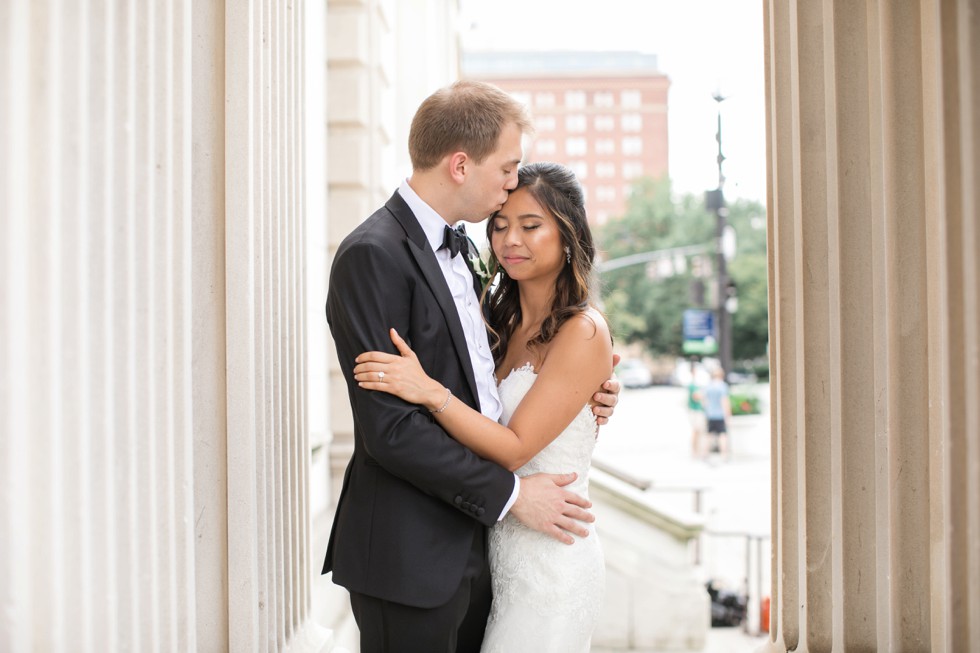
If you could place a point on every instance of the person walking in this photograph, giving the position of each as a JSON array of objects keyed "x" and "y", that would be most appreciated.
[
  {"x": 695, "y": 414},
  {"x": 718, "y": 411}
]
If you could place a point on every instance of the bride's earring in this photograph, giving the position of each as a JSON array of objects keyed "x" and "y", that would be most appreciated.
[{"x": 568, "y": 254}]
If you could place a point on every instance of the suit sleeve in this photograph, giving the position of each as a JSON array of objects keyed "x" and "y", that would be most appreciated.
[{"x": 369, "y": 293}]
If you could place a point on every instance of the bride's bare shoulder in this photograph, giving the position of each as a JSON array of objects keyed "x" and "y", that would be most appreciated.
[{"x": 587, "y": 325}]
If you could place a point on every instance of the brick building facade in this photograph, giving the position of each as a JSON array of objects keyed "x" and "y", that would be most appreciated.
[{"x": 602, "y": 113}]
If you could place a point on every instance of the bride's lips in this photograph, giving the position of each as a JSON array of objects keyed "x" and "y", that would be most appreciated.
[{"x": 514, "y": 260}]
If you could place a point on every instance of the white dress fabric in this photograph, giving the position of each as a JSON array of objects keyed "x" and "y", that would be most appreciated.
[{"x": 546, "y": 595}]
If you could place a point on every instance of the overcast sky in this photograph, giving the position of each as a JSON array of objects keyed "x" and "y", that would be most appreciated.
[{"x": 703, "y": 46}]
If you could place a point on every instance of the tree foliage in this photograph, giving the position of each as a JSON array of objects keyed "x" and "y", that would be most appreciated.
[{"x": 646, "y": 306}]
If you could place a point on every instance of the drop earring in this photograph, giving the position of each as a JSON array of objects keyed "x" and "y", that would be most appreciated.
[{"x": 568, "y": 254}]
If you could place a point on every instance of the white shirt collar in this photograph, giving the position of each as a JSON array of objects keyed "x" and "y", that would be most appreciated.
[{"x": 433, "y": 224}]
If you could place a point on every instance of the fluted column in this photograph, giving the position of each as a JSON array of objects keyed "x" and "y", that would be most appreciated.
[
  {"x": 874, "y": 146},
  {"x": 269, "y": 537},
  {"x": 154, "y": 487},
  {"x": 96, "y": 378}
]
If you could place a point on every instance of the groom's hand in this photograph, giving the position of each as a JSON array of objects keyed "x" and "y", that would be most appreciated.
[
  {"x": 607, "y": 397},
  {"x": 544, "y": 505}
]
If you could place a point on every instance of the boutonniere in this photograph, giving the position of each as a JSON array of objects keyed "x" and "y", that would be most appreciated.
[{"x": 478, "y": 264}]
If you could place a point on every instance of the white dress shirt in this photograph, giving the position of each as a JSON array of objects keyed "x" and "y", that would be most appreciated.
[{"x": 460, "y": 281}]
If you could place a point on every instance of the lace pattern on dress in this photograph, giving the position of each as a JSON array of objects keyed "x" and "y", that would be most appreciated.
[{"x": 547, "y": 594}]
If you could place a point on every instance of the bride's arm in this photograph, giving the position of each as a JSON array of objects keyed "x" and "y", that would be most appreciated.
[{"x": 579, "y": 359}]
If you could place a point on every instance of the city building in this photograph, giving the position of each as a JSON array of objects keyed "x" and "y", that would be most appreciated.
[{"x": 604, "y": 114}]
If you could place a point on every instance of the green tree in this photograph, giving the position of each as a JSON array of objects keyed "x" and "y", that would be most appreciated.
[{"x": 647, "y": 307}]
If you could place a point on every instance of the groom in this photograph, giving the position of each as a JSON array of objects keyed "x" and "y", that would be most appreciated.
[{"x": 409, "y": 535}]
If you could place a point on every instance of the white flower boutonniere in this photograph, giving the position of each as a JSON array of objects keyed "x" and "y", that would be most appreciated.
[{"x": 478, "y": 264}]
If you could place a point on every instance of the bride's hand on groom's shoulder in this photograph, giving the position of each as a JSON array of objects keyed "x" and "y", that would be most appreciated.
[{"x": 543, "y": 504}]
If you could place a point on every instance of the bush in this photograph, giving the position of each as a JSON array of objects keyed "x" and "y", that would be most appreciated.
[{"x": 744, "y": 404}]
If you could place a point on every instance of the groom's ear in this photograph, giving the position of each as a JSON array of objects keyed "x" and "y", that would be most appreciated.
[{"x": 458, "y": 164}]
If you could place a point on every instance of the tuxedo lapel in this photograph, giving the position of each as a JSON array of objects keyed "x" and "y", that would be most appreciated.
[{"x": 426, "y": 259}]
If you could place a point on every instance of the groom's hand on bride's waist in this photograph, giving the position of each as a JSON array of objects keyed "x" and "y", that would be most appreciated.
[{"x": 545, "y": 505}]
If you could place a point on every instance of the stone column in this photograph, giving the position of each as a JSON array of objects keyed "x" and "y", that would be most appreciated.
[
  {"x": 269, "y": 561},
  {"x": 97, "y": 378},
  {"x": 154, "y": 454},
  {"x": 873, "y": 220}
]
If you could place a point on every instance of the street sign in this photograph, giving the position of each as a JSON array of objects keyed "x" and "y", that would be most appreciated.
[{"x": 699, "y": 332}]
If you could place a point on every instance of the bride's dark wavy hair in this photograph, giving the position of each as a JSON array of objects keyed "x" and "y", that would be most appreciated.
[{"x": 556, "y": 189}]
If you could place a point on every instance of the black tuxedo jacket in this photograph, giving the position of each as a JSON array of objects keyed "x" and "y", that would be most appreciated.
[{"x": 413, "y": 498}]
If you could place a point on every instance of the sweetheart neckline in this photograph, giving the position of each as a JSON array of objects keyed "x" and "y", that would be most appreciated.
[{"x": 526, "y": 367}]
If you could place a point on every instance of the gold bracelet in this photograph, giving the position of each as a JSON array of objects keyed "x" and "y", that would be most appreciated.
[{"x": 449, "y": 396}]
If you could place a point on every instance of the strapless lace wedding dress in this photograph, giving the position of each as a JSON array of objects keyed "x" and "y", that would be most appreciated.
[{"x": 546, "y": 595}]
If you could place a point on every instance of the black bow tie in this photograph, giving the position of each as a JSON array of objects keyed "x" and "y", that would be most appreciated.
[{"x": 455, "y": 240}]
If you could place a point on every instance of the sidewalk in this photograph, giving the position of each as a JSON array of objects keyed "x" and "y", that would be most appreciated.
[{"x": 649, "y": 440}]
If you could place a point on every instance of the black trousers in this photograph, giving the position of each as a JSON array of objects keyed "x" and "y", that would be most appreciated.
[{"x": 455, "y": 627}]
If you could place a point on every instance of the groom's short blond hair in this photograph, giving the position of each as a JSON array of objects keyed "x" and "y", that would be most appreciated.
[{"x": 467, "y": 116}]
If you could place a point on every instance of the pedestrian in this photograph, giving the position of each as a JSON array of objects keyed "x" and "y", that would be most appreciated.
[
  {"x": 718, "y": 410},
  {"x": 695, "y": 414}
]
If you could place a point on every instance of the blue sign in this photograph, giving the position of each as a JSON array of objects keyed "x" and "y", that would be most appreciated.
[{"x": 699, "y": 332}]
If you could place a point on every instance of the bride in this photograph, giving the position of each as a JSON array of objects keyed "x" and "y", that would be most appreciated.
[{"x": 552, "y": 348}]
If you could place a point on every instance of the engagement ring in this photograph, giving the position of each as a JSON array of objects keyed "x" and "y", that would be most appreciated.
[{"x": 381, "y": 377}]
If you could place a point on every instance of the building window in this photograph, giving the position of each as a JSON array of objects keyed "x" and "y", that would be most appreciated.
[
  {"x": 603, "y": 99},
  {"x": 632, "y": 145},
  {"x": 575, "y": 99},
  {"x": 522, "y": 96},
  {"x": 604, "y": 123},
  {"x": 605, "y": 193},
  {"x": 544, "y": 123},
  {"x": 544, "y": 99},
  {"x": 632, "y": 122},
  {"x": 545, "y": 147},
  {"x": 575, "y": 123},
  {"x": 580, "y": 168},
  {"x": 605, "y": 170},
  {"x": 605, "y": 146},
  {"x": 575, "y": 146},
  {"x": 631, "y": 99},
  {"x": 632, "y": 170}
]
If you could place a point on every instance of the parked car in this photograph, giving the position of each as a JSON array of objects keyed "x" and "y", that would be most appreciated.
[{"x": 634, "y": 373}]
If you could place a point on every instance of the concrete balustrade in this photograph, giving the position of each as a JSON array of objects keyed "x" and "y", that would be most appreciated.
[{"x": 654, "y": 598}]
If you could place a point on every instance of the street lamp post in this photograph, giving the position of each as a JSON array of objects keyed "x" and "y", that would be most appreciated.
[{"x": 715, "y": 201}]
